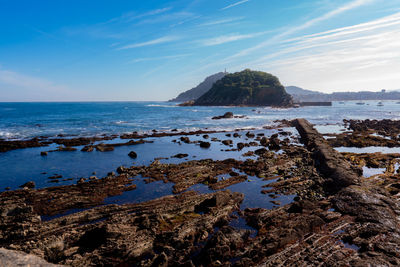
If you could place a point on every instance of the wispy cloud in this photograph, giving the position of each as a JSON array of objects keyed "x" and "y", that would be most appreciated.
[
  {"x": 235, "y": 4},
  {"x": 131, "y": 16},
  {"x": 137, "y": 60},
  {"x": 360, "y": 57},
  {"x": 161, "y": 40},
  {"x": 221, "y": 21},
  {"x": 229, "y": 38},
  {"x": 341, "y": 9},
  {"x": 173, "y": 16}
]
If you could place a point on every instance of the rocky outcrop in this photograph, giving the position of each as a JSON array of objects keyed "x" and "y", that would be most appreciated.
[
  {"x": 167, "y": 230},
  {"x": 338, "y": 172}
]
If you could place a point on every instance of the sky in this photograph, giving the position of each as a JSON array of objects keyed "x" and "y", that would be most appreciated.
[{"x": 101, "y": 50}]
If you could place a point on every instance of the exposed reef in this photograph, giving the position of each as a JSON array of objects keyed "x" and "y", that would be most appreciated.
[{"x": 335, "y": 216}]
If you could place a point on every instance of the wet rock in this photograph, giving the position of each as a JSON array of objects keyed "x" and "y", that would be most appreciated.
[
  {"x": 121, "y": 169},
  {"x": 240, "y": 146},
  {"x": 104, "y": 148},
  {"x": 206, "y": 136},
  {"x": 11, "y": 145},
  {"x": 227, "y": 115},
  {"x": 236, "y": 135},
  {"x": 87, "y": 148},
  {"x": 338, "y": 172},
  {"x": 157, "y": 232},
  {"x": 56, "y": 176},
  {"x": 44, "y": 153},
  {"x": 264, "y": 141},
  {"x": 180, "y": 156},
  {"x": 132, "y": 154},
  {"x": 250, "y": 135},
  {"x": 185, "y": 139},
  {"x": 204, "y": 144},
  {"x": 274, "y": 143},
  {"x": 227, "y": 142},
  {"x": 29, "y": 184}
]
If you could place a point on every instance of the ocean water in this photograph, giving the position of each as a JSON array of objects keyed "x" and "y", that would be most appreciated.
[{"x": 26, "y": 120}]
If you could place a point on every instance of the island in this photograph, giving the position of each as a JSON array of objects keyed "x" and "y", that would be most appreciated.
[{"x": 246, "y": 88}]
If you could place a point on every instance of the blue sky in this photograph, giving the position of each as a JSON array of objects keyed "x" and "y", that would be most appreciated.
[{"x": 69, "y": 50}]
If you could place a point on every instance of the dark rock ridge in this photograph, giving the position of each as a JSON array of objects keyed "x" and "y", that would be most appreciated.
[
  {"x": 339, "y": 173},
  {"x": 248, "y": 88},
  {"x": 200, "y": 89}
]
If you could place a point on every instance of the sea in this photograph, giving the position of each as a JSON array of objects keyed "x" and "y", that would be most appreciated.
[
  {"x": 27, "y": 120},
  {"x": 19, "y": 121}
]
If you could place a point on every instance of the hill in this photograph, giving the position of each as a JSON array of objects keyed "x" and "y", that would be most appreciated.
[
  {"x": 249, "y": 88},
  {"x": 294, "y": 90},
  {"x": 200, "y": 89}
]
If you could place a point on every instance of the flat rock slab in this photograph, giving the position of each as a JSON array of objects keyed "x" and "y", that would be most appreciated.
[{"x": 12, "y": 258}]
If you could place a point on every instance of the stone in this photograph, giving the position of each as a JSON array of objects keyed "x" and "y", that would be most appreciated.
[
  {"x": 29, "y": 184},
  {"x": 204, "y": 144},
  {"x": 132, "y": 154}
]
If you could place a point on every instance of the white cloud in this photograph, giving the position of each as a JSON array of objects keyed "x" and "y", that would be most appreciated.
[
  {"x": 229, "y": 38},
  {"x": 235, "y": 4},
  {"x": 349, "y": 6},
  {"x": 137, "y": 60},
  {"x": 161, "y": 40},
  {"x": 221, "y": 21},
  {"x": 360, "y": 57}
]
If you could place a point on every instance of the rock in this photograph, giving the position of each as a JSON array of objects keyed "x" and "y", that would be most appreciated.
[
  {"x": 240, "y": 146},
  {"x": 338, "y": 172},
  {"x": 81, "y": 181},
  {"x": 121, "y": 169},
  {"x": 132, "y": 154},
  {"x": 44, "y": 153},
  {"x": 264, "y": 141},
  {"x": 87, "y": 149},
  {"x": 13, "y": 258},
  {"x": 180, "y": 156},
  {"x": 29, "y": 184},
  {"x": 206, "y": 136},
  {"x": 227, "y": 142},
  {"x": 236, "y": 135},
  {"x": 274, "y": 143},
  {"x": 250, "y": 135},
  {"x": 185, "y": 139},
  {"x": 204, "y": 144},
  {"x": 104, "y": 148},
  {"x": 227, "y": 115},
  {"x": 161, "y": 260},
  {"x": 187, "y": 104}
]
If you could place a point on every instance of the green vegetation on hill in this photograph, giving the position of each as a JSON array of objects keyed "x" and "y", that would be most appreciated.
[{"x": 252, "y": 88}]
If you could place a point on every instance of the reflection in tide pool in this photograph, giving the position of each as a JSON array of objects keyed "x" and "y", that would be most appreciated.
[{"x": 368, "y": 172}]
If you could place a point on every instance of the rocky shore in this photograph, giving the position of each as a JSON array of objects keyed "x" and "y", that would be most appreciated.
[{"x": 335, "y": 217}]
